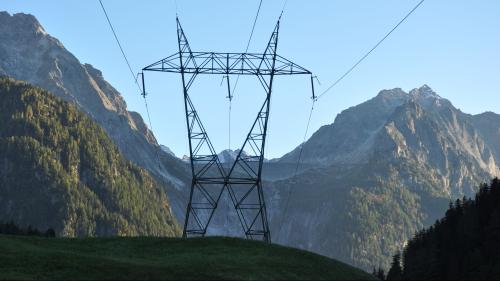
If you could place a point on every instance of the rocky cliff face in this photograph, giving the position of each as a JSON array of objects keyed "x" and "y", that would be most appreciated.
[
  {"x": 418, "y": 126},
  {"x": 28, "y": 53},
  {"x": 352, "y": 133},
  {"x": 488, "y": 126}
]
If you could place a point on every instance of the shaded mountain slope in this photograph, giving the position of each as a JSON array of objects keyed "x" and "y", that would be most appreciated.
[
  {"x": 29, "y": 54},
  {"x": 59, "y": 169}
]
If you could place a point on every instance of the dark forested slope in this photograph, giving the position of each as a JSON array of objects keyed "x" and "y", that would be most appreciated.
[
  {"x": 59, "y": 169},
  {"x": 462, "y": 245}
]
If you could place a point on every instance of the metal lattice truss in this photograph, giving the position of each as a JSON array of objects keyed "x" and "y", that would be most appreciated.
[
  {"x": 242, "y": 179},
  {"x": 229, "y": 63}
]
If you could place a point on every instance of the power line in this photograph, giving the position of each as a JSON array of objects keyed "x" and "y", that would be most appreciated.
[
  {"x": 297, "y": 165},
  {"x": 120, "y": 45},
  {"x": 231, "y": 95},
  {"x": 253, "y": 26},
  {"x": 283, "y": 9},
  {"x": 134, "y": 77},
  {"x": 248, "y": 45},
  {"x": 371, "y": 50}
]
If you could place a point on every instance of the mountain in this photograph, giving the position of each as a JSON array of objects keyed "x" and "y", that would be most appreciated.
[
  {"x": 418, "y": 126},
  {"x": 488, "y": 125},
  {"x": 167, "y": 150},
  {"x": 59, "y": 169},
  {"x": 463, "y": 245},
  {"x": 29, "y": 54},
  {"x": 340, "y": 142},
  {"x": 383, "y": 170},
  {"x": 228, "y": 156}
]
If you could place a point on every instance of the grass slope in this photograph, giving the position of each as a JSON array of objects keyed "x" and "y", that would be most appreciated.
[{"x": 24, "y": 257}]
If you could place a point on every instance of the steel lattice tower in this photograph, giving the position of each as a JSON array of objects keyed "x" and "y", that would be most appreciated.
[{"x": 242, "y": 179}]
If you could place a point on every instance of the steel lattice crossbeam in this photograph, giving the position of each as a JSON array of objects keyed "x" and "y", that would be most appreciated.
[
  {"x": 229, "y": 63},
  {"x": 243, "y": 179}
]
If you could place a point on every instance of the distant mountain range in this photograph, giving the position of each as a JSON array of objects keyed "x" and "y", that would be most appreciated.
[
  {"x": 227, "y": 156},
  {"x": 380, "y": 172}
]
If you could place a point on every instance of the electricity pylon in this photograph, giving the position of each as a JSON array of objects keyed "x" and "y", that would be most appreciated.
[{"x": 242, "y": 179}]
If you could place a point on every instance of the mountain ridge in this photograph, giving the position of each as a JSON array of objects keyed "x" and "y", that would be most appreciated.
[{"x": 28, "y": 53}]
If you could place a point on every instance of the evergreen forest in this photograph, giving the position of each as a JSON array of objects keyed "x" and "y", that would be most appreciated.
[
  {"x": 60, "y": 170},
  {"x": 464, "y": 245}
]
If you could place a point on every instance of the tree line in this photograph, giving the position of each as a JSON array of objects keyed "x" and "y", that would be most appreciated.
[
  {"x": 465, "y": 244},
  {"x": 10, "y": 228}
]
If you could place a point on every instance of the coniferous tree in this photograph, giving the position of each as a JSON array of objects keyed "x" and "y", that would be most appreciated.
[
  {"x": 396, "y": 272},
  {"x": 380, "y": 274},
  {"x": 50, "y": 233},
  {"x": 11, "y": 228},
  {"x": 463, "y": 245}
]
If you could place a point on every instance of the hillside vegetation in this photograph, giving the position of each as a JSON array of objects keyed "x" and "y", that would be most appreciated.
[
  {"x": 163, "y": 258},
  {"x": 59, "y": 169},
  {"x": 461, "y": 246}
]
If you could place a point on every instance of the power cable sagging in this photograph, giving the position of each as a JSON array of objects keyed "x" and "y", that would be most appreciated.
[{"x": 371, "y": 50}]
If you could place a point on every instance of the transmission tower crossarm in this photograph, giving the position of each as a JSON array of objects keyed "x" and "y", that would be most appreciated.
[{"x": 228, "y": 64}]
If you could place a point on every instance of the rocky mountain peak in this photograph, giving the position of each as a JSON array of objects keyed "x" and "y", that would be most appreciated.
[
  {"x": 429, "y": 99},
  {"x": 424, "y": 92},
  {"x": 391, "y": 93},
  {"x": 229, "y": 155},
  {"x": 424, "y": 96},
  {"x": 28, "y": 53},
  {"x": 93, "y": 71},
  {"x": 24, "y": 28},
  {"x": 167, "y": 150},
  {"x": 25, "y": 21},
  {"x": 390, "y": 98}
]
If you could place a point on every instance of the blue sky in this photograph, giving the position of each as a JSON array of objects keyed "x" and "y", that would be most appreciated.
[{"x": 451, "y": 45}]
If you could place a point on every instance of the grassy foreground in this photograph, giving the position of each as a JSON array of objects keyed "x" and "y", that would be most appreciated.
[{"x": 24, "y": 257}]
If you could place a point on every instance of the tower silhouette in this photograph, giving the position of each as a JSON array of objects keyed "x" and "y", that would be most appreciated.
[{"x": 243, "y": 178}]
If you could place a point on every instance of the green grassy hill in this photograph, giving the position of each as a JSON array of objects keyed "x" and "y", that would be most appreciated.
[{"x": 25, "y": 257}]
